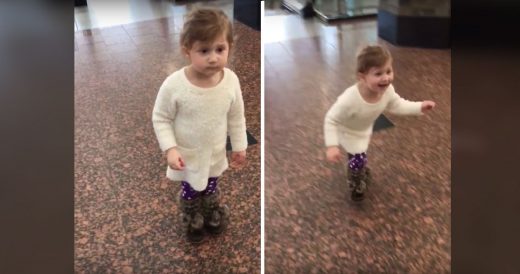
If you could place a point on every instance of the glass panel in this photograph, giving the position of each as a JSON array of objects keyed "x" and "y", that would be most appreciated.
[{"x": 341, "y": 9}]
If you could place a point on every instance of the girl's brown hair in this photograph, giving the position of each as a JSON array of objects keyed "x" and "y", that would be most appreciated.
[
  {"x": 372, "y": 56},
  {"x": 205, "y": 25}
]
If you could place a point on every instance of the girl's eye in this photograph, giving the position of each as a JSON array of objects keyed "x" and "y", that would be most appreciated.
[
  {"x": 204, "y": 51},
  {"x": 219, "y": 50}
]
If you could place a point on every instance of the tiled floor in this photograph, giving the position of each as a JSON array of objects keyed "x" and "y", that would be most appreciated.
[
  {"x": 126, "y": 215},
  {"x": 311, "y": 225}
]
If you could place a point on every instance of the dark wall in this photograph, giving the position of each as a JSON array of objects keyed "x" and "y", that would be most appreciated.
[
  {"x": 414, "y": 31},
  {"x": 415, "y": 23},
  {"x": 80, "y": 3},
  {"x": 247, "y": 12}
]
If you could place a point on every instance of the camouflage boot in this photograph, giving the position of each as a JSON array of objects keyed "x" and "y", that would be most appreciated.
[
  {"x": 366, "y": 176},
  {"x": 357, "y": 182},
  {"x": 216, "y": 217},
  {"x": 192, "y": 219}
]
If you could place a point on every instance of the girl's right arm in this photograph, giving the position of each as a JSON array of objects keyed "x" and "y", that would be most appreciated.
[
  {"x": 334, "y": 154},
  {"x": 174, "y": 159},
  {"x": 337, "y": 114},
  {"x": 163, "y": 116}
]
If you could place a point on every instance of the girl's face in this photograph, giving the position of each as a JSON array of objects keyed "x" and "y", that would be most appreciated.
[
  {"x": 209, "y": 58},
  {"x": 377, "y": 79}
]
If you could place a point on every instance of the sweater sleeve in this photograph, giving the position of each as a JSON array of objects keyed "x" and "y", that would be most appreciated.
[
  {"x": 338, "y": 113},
  {"x": 401, "y": 106},
  {"x": 163, "y": 116},
  {"x": 237, "y": 121}
]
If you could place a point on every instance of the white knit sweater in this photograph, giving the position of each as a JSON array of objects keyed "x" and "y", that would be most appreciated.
[
  {"x": 350, "y": 120},
  {"x": 196, "y": 121}
]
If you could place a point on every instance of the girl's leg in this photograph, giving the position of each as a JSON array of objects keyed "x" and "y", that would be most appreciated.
[
  {"x": 212, "y": 186},
  {"x": 215, "y": 215},
  {"x": 188, "y": 193},
  {"x": 356, "y": 162},
  {"x": 191, "y": 208},
  {"x": 357, "y": 175}
]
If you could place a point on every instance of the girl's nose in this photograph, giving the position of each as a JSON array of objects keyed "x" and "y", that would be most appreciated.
[{"x": 213, "y": 57}]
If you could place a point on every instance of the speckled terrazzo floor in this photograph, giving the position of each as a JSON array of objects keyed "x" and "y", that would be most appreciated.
[
  {"x": 126, "y": 216},
  {"x": 311, "y": 226}
]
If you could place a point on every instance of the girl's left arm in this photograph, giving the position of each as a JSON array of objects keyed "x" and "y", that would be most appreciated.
[
  {"x": 237, "y": 121},
  {"x": 401, "y": 106}
]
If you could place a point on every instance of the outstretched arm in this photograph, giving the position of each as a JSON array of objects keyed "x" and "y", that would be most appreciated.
[
  {"x": 427, "y": 105},
  {"x": 401, "y": 106}
]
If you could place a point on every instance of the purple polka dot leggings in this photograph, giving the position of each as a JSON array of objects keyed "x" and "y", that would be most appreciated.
[
  {"x": 356, "y": 162},
  {"x": 188, "y": 193}
]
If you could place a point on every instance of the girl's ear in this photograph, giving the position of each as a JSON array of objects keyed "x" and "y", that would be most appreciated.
[
  {"x": 186, "y": 52},
  {"x": 360, "y": 76},
  {"x": 230, "y": 50}
]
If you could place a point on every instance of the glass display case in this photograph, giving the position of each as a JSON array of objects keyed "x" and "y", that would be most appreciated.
[{"x": 343, "y": 9}]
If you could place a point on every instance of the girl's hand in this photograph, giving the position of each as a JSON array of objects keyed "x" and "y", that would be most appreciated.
[
  {"x": 334, "y": 154},
  {"x": 238, "y": 159},
  {"x": 427, "y": 105},
  {"x": 174, "y": 159}
]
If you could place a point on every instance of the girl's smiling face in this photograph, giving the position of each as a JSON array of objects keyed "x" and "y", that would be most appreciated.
[{"x": 377, "y": 79}]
